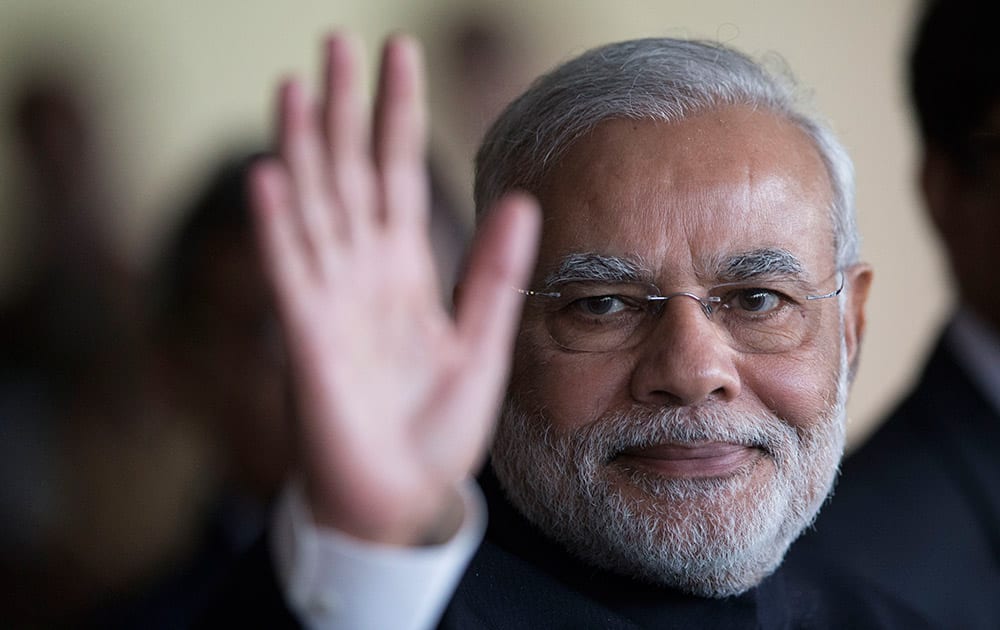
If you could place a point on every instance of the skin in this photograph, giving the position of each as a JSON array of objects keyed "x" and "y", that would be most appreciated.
[{"x": 732, "y": 180}]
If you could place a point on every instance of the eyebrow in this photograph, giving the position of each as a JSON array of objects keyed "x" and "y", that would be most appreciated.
[
  {"x": 592, "y": 267},
  {"x": 767, "y": 262}
]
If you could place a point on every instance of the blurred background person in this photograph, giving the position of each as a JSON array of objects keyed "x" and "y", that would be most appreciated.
[
  {"x": 219, "y": 365},
  {"x": 918, "y": 507},
  {"x": 82, "y": 465}
]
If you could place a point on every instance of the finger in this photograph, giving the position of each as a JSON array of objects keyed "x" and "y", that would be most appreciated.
[
  {"x": 275, "y": 227},
  {"x": 487, "y": 312},
  {"x": 501, "y": 260},
  {"x": 346, "y": 123},
  {"x": 301, "y": 150},
  {"x": 400, "y": 134}
]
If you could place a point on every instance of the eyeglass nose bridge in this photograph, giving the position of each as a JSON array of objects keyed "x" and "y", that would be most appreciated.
[{"x": 707, "y": 303}]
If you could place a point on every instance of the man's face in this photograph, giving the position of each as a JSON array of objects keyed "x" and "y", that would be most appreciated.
[{"x": 684, "y": 458}]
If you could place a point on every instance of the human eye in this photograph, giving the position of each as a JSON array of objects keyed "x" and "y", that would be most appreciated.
[
  {"x": 598, "y": 301},
  {"x": 754, "y": 301},
  {"x": 601, "y": 305},
  {"x": 598, "y": 316},
  {"x": 757, "y": 300}
]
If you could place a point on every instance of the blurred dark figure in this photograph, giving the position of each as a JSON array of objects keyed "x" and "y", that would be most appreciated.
[
  {"x": 217, "y": 335},
  {"x": 70, "y": 365},
  {"x": 918, "y": 507},
  {"x": 75, "y": 300},
  {"x": 220, "y": 365}
]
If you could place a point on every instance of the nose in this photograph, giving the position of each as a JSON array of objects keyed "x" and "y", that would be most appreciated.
[{"x": 684, "y": 361}]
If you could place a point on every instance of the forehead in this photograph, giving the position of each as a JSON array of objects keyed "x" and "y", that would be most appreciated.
[{"x": 680, "y": 196}]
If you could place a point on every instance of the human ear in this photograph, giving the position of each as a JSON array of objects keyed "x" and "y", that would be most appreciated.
[{"x": 858, "y": 280}]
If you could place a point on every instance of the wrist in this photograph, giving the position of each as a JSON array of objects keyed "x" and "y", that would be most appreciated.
[{"x": 436, "y": 521}]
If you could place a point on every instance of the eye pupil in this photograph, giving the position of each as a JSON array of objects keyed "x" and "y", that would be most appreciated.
[
  {"x": 600, "y": 305},
  {"x": 754, "y": 300}
]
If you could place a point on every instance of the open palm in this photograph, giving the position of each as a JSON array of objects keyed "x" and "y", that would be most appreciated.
[{"x": 396, "y": 398}]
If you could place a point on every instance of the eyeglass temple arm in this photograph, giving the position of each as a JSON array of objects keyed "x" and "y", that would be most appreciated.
[
  {"x": 843, "y": 281},
  {"x": 529, "y": 292}
]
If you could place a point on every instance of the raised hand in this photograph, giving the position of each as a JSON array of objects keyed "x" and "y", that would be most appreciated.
[{"x": 396, "y": 399}]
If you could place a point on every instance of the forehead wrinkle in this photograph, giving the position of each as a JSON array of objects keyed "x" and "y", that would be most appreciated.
[
  {"x": 593, "y": 267},
  {"x": 757, "y": 263}
]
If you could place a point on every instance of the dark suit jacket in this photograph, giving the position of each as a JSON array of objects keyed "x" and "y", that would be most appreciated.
[
  {"x": 917, "y": 508},
  {"x": 518, "y": 579}
]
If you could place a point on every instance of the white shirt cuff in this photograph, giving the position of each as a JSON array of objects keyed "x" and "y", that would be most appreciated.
[{"x": 331, "y": 580}]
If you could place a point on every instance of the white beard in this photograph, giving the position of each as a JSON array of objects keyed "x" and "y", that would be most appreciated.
[{"x": 711, "y": 537}]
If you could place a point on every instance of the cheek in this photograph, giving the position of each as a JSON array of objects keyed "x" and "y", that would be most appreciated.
[
  {"x": 798, "y": 389},
  {"x": 573, "y": 389}
]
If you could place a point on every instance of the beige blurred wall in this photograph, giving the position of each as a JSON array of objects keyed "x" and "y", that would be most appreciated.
[{"x": 178, "y": 82}]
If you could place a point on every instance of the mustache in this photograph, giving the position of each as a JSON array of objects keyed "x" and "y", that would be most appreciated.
[{"x": 642, "y": 427}]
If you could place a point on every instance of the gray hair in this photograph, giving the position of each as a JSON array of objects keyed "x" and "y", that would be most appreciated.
[{"x": 657, "y": 79}]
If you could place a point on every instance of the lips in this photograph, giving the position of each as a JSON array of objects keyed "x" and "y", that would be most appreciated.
[{"x": 698, "y": 460}]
